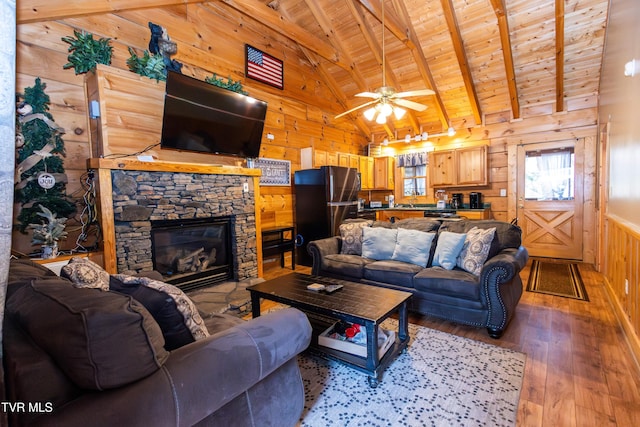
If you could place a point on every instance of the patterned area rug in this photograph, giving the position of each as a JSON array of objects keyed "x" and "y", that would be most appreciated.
[
  {"x": 556, "y": 278},
  {"x": 441, "y": 380}
]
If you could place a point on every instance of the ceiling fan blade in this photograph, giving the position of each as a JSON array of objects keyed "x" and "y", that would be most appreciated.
[
  {"x": 409, "y": 104},
  {"x": 419, "y": 92},
  {"x": 357, "y": 108},
  {"x": 368, "y": 95}
]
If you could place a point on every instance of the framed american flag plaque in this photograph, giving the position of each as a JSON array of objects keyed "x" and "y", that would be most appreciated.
[{"x": 264, "y": 68}]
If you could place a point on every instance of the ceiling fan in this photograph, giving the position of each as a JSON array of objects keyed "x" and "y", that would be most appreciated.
[{"x": 387, "y": 101}]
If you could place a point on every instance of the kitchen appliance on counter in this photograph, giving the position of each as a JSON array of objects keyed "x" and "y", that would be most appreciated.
[
  {"x": 324, "y": 198},
  {"x": 457, "y": 200},
  {"x": 475, "y": 201},
  {"x": 441, "y": 196}
]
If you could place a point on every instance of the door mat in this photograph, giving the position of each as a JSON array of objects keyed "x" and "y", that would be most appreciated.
[{"x": 554, "y": 278}]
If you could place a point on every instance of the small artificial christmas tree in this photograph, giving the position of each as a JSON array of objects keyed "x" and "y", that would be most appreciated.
[{"x": 40, "y": 178}]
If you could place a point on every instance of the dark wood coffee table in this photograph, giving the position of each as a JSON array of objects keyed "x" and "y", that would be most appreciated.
[{"x": 355, "y": 303}]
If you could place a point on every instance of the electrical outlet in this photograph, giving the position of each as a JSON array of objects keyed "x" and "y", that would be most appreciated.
[
  {"x": 245, "y": 187},
  {"x": 626, "y": 286},
  {"x": 503, "y": 192}
]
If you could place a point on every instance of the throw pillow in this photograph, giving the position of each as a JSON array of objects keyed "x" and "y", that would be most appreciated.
[
  {"x": 413, "y": 246},
  {"x": 101, "y": 340},
  {"x": 84, "y": 273},
  {"x": 476, "y": 249},
  {"x": 351, "y": 233},
  {"x": 188, "y": 310},
  {"x": 448, "y": 248},
  {"x": 378, "y": 243}
]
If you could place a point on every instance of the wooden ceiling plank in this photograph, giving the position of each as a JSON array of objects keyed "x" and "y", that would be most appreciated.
[
  {"x": 507, "y": 53},
  {"x": 47, "y": 10},
  {"x": 458, "y": 45},
  {"x": 422, "y": 64},
  {"x": 559, "y": 55},
  {"x": 391, "y": 21}
]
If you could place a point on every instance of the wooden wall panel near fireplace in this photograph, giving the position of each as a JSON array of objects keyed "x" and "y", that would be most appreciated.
[{"x": 105, "y": 167}]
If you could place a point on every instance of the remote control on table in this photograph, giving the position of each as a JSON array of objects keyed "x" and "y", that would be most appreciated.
[{"x": 332, "y": 288}]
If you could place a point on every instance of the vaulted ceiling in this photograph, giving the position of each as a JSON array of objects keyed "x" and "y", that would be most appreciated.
[{"x": 486, "y": 60}]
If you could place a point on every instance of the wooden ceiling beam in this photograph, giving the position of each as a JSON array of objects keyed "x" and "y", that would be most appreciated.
[
  {"x": 458, "y": 46},
  {"x": 422, "y": 64},
  {"x": 559, "y": 55},
  {"x": 47, "y": 10},
  {"x": 391, "y": 21},
  {"x": 507, "y": 53}
]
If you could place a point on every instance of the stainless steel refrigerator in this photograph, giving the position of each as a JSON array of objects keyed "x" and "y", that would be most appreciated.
[{"x": 324, "y": 198}]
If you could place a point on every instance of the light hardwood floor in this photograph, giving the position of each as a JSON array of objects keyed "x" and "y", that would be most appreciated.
[{"x": 579, "y": 370}]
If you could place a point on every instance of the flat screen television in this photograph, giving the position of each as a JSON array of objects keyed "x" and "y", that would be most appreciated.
[{"x": 201, "y": 117}]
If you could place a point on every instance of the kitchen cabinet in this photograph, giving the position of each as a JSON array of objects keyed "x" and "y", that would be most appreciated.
[
  {"x": 343, "y": 160},
  {"x": 463, "y": 167},
  {"x": 383, "y": 173},
  {"x": 475, "y": 213},
  {"x": 310, "y": 158},
  {"x": 366, "y": 172},
  {"x": 387, "y": 214},
  {"x": 332, "y": 159}
]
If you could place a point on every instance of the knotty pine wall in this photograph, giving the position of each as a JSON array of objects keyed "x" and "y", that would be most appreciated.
[{"x": 210, "y": 39}]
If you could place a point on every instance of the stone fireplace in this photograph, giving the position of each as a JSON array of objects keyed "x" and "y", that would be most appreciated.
[{"x": 139, "y": 200}]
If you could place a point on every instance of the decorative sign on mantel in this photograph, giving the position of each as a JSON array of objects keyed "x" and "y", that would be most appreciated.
[{"x": 274, "y": 172}]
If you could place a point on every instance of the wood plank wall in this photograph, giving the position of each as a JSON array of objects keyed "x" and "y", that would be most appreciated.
[
  {"x": 211, "y": 39},
  {"x": 623, "y": 264}
]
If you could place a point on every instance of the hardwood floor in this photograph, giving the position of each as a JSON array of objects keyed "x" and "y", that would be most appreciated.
[{"x": 579, "y": 369}]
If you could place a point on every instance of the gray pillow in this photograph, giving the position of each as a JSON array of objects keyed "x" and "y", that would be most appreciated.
[
  {"x": 84, "y": 273},
  {"x": 378, "y": 243},
  {"x": 351, "y": 233},
  {"x": 475, "y": 250},
  {"x": 448, "y": 248},
  {"x": 413, "y": 246}
]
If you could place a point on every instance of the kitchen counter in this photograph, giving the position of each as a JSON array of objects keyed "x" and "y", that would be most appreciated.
[{"x": 385, "y": 213}]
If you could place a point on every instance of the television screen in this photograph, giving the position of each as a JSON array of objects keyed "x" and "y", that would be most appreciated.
[{"x": 202, "y": 117}]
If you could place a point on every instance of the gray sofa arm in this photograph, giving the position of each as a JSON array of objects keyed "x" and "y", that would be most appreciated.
[
  {"x": 501, "y": 287},
  {"x": 319, "y": 249},
  {"x": 198, "y": 378}
]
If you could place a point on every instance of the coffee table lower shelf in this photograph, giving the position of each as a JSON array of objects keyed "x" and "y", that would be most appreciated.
[{"x": 362, "y": 364}]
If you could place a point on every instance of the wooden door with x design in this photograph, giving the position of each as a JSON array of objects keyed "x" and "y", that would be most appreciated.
[{"x": 550, "y": 199}]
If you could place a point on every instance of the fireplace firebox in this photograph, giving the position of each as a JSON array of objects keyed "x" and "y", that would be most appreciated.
[{"x": 192, "y": 253}]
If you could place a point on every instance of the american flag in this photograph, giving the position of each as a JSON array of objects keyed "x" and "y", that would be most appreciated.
[{"x": 264, "y": 68}]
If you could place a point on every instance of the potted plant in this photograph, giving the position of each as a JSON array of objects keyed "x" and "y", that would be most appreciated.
[{"x": 48, "y": 233}]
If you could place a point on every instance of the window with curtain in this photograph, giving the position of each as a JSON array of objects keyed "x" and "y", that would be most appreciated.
[
  {"x": 549, "y": 174},
  {"x": 415, "y": 181}
]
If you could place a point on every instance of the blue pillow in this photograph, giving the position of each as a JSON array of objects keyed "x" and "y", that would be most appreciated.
[
  {"x": 448, "y": 248},
  {"x": 378, "y": 243},
  {"x": 413, "y": 246}
]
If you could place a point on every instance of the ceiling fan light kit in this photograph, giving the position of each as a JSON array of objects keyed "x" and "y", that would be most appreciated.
[{"x": 387, "y": 101}]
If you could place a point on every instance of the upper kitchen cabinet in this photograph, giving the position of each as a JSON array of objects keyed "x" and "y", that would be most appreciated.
[
  {"x": 366, "y": 172},
  {"x": 463, "y": 167},
  {"x": 383, "y": 171}
]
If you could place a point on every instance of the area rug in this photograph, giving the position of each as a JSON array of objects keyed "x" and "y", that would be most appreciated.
[
  {"x": 557, "y": 278},
  {"x": 441, "y": 380}
]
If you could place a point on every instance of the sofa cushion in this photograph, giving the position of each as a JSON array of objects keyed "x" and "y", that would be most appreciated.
[
  {"x": 475, "y": 250},
  {"x": 84, "y": 273},
  {"x": 413, "y": 246},
  {"x": 101, "y": 340},
  {"x": 393, "y": 272},
  {"x": 351, "y": 233},
  {"x": 346, "y": 265},
  {"x": 421, "y": 224},
  {"x": 448, "y": 247},
  {"x": 189, "y": 316},
  {"x": 456, "y": 282},
  {"x": 26, "y": 269},
  {"x": 163, "y": 309},
  {"x": 506, "y": 236},
  {"x": 378, "y": 243}
]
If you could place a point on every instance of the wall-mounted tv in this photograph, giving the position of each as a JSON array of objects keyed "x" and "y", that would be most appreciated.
[{"x": 202, "y": 117}]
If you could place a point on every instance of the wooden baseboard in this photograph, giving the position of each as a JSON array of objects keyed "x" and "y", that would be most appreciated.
[{"x": 631, "y": 337}]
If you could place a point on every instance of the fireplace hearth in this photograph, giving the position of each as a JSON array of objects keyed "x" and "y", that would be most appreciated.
[{"x": 192, "y": 253}]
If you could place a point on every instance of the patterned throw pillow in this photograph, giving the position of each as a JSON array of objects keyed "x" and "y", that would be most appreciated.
[
  {"x": 84, "y": 273},
  {"x": 351, "y": 233},
  {"x": 192, "y": 319},
  {"x": 475, "y": 250}
]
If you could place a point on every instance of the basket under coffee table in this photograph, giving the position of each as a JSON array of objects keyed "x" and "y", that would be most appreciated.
[{"x": 354, "y": 302}]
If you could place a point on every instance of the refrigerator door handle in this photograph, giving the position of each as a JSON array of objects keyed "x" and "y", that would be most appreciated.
[{"x": 351, "y": 203}]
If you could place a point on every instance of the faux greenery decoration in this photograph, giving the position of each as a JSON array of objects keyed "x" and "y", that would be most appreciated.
[
  {"x": 86, "y": 52},
  {"x": 49, "y": 232},
  {"x": 148, "y": 65},
  {"x": 229, "y": 84}
]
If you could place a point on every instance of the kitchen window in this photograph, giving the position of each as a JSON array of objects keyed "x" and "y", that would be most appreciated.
[{"x": 415, "y": 181}]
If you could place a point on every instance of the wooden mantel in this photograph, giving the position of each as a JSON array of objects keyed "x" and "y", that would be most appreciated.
[{"x": 103, "y": 168}]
